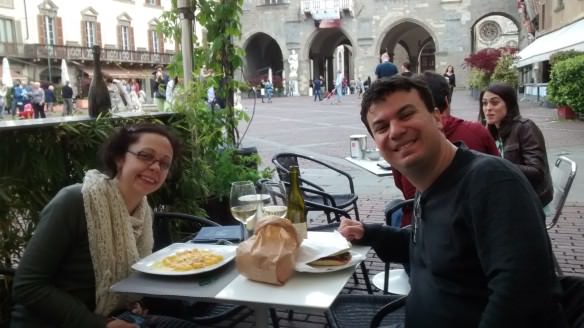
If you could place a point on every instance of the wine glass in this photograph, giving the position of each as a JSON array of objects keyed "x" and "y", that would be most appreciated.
[
  {"x": 244, "y": 204},
  {"x": 273, "y": 199}
]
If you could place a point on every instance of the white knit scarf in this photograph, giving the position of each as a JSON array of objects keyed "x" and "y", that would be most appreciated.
[{"x": 116, "y": 239}]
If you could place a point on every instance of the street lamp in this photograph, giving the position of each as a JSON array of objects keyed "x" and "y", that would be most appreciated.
[{"x": 50, "y": 53}]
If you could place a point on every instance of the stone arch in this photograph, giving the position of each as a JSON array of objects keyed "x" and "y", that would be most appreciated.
[
  {"x": 322, "y": 46},
  {"x": 418, "y": 40},
  {"x": 263, "y": 52},
  {"x": 502, "y": 39},
  {"x": 398, "y": 22}
]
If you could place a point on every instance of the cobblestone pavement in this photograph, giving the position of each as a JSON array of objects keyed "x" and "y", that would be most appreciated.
[{"x": 322, "y": 130}]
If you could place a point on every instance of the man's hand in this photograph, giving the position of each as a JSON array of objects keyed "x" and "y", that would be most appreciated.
[
  {"x": 351, "y": 229},
  {"x": 120, "y": 324}
]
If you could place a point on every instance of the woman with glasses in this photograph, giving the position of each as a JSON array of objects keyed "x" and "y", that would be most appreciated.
[
  {"x": 91, "y": 233},
  {"x": 519, "y": 139}
]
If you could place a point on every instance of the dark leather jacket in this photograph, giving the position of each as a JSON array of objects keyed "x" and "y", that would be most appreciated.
[{"x": 523, "y": 145}]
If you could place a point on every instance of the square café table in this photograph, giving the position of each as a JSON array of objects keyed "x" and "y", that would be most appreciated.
[
  {"x": 371, "y": 166},
  {"x": 310, "y": 292}
]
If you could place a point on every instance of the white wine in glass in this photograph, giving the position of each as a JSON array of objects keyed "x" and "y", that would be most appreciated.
[
  {"x": 244, "y": 204},
  {"x": 274, "y": 199}
]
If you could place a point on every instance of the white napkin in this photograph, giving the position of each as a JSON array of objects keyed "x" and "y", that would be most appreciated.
[{"x": 320, "y": 244}]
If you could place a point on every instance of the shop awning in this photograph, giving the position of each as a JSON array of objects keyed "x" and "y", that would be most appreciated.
[
  {"x": 119, "y": 72},
  {"x": 567, "y": 38}
]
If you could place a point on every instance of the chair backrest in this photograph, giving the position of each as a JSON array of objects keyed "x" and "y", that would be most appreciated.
[
  {"x": 283, "y": 162},
  {"x": 170, "y": 227},
  {"x": 563, "y": 173}
]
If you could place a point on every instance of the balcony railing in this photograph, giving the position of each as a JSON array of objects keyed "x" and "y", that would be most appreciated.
[
  {"x": 40, "y": 51},
  {"x": 312, "y": 6}
]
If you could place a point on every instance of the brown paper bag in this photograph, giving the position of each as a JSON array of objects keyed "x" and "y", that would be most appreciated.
[{"x": 270, "y": 255}]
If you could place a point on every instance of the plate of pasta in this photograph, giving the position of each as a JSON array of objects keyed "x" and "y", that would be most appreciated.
[{"x": 185, "y": 259}]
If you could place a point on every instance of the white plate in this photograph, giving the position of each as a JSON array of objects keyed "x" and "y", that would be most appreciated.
[
  {"x": 355, "y": 259},
  {"x": 398, "y": 282},
  {"x": 151, "y": 263}
]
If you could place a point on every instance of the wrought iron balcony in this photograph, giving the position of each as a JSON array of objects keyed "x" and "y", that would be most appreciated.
[
  {"x": 40, "y": 51},
  {"x": 310, "y": 7}
]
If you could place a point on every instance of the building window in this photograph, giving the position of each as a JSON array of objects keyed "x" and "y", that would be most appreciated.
[
  {"x": 90, "y": 33},
  {"x": 49, "y": 30},
  {"x": 6, "y": 30},
  {"x": 125, "y": 37},
  {"x": 155, "y": 41},
  {"x": 7, "y": 3},
  {"x": 274, "y": 2}
]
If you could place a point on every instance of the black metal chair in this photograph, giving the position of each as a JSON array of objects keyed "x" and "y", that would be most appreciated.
[
  {"x": 315, "y": 196},
  {"x": 357, "y": 310},
  {"x": 170, "y": 227},
  {"x": 563, "y": 174}
]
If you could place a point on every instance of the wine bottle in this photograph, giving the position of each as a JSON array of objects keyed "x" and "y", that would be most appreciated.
[
  {"x": 98, "y": 98},
  {"x": 296, "y": 213}
]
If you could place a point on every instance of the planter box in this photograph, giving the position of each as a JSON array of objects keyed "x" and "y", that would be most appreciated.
[
  {"x": 565, "y": 113},
  {"x": 82, "y": 103}
]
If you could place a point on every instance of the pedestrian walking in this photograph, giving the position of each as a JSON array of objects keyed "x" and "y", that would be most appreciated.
[
  {"x": 339, "y": 87},
  {"x": 317, "y": 84},
  {"x": 67, "y": 94},
  {"x": 37, "y": 99},
  {"x": 50, "y": 98}
]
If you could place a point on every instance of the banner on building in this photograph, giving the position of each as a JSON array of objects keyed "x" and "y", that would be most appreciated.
[{"x": 330, "y": 23}]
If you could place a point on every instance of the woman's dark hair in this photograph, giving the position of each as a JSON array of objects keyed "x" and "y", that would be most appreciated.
[
  {"x": 119, "y": 142},
  {"x": 384, "y": 87},
  {"x": 509, "y": 96}
]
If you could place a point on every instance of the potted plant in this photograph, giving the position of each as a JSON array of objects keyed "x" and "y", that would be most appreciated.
[{"x": 566, "y": 87}]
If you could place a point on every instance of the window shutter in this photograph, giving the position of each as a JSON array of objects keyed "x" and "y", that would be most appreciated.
[
  {"x": 41, "y": 24},
  {"x": 158, "y": 3},
  {"x": 160, "y": 42},
  {"x": 98, "y": 34},
  {"x": 131, "y": 34},
  {"x": 83, "y": 34},
  {"x": 120, "y": 40},
  {"x": 150, "y": 45},
  {"x": 59, "y": 29}
]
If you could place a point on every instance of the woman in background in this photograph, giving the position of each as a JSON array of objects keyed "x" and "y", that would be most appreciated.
[
  {"x": 519, "y": 140},
  {"x": 449, "y": 75}
]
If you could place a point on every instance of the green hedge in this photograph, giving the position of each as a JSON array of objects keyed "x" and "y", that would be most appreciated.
[{"x": 566, "y": 86}]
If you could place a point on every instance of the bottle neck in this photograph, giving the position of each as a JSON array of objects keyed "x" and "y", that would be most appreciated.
[{"x": 294, "y": 177}]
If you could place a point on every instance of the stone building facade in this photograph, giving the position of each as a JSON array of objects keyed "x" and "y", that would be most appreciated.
[{"x": 350, "y": 35}]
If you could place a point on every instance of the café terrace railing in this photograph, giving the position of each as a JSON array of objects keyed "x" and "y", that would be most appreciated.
[{"x": 41, "y": 51}]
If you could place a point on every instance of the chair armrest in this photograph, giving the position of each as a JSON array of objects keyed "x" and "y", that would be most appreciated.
[{"x": 387, "y": 309}]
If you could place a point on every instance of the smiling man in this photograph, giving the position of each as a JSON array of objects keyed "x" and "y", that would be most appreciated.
[{"x": 478, "y": 249}]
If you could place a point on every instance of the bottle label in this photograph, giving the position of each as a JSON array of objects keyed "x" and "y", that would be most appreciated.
[{"x": 300, "y": 231}]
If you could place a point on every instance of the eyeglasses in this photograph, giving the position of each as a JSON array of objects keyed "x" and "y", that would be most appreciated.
[
  {"x": 150, "y": 158},
  {"x": 417, "y": 216}
]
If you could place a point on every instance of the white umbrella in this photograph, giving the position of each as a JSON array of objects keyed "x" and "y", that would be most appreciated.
[
  {"x": 270, "y": 75},
  {"x": 64, "y": 72},
  {"x": 6, "y": 75}
]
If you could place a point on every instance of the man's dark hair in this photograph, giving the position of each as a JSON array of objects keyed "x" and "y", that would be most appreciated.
[
  {"x": 118, "y": 144},
  {"x": 384, "y": 87},
  {"x": 439, "y": 88}
]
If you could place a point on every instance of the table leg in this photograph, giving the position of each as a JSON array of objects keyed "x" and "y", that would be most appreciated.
[{"x": 261, "y": 316}]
